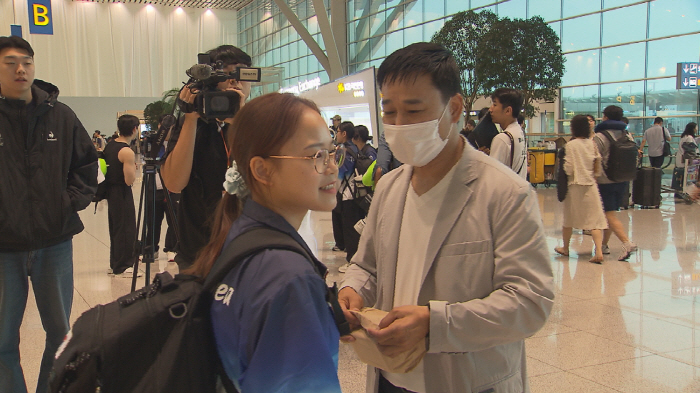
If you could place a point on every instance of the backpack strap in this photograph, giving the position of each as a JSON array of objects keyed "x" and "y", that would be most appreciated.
[
  {"x": 250, "y": 243},
  {"x": 512, "y": 152},
  {"x": 266, "y": 238}
]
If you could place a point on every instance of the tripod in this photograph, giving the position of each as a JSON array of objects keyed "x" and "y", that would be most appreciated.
[{"x": 151, "y": 169}]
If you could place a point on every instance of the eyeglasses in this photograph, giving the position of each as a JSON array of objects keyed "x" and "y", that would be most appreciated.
[{"x": 322, "y": 158}]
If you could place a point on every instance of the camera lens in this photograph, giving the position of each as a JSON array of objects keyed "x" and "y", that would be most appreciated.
[{"x": 219, "y": 103}]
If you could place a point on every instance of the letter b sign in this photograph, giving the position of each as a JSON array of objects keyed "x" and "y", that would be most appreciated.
[{"x": 40, "y": 19}]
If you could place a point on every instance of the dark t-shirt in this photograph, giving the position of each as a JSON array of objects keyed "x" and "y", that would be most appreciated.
[{"x": 203, "y": 191}]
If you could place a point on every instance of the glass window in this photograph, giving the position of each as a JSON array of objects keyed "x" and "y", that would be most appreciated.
[
  {"x": 378, "y": 24},
  {"x": 513, "y": 9},
  {"x": 556, "y": 26},
  {"x": 581, "y": 68},
  {"x": 664, "y": 100},
  {"x": 394, "y": 41},
  {"x": 481, "y": 3},
  {"x": 664, "y": 55},
  {"x": 573, "y": 8},
  {"x": 413, "y": 34},
  {"x": 395, "y": 18},
  {"x": 363, "y": 51},
  {"x": 361, "y": 29},
  {"x": 455, "y": 6},
  {"x": 413, "y": 12},
  {"x": 625, "y": 25},
  {"x": 429, "y": 29},
  {"x": 547, "y": 9},
  {"x": 623, "y": 62},
  {"x": 293, "y": 68},
  {"x": 580, "y": 100},
  {"x": 435, "y": 9},
  {"x": 303, "y": 65},
  {"x": 377, "y": 47},
  {"x": 628, "y": 95},
  {"x": 669, "y": 17},
  {"x": 581, "y": 33}
]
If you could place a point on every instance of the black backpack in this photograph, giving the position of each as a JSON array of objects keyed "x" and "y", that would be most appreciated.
[
  {"x": 160, "y": 338},
  {"x": 362, "y": 159},
  {"x": 622, "y": 161}
]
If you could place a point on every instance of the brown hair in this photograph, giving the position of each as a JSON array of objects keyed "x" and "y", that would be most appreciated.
[{"x": 254, "y": 132}]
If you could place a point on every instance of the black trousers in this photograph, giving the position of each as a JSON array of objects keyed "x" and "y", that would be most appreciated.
[
  {"x": 656, "y": 162},
  {"x": 337, "y": 219},
  {"x": 121, "y": 218},
  {"x": 351, "y": 214},
  {"x": 161, "y": 210},
  {"x": 387, "y": 387}
]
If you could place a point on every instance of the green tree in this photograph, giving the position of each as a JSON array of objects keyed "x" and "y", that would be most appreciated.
[
  {"x": 463, "y": 35},
  {"x": 523, "y": 54},
  {"x": 156, "y": 109}
]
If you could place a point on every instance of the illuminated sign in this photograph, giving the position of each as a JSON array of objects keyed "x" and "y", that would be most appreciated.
[
  {"x": 301, "y": 87},
  {"x": 40, "y": 19},
  {"x": 687, "y": 76},
  {"x": 357, "y": 88}
]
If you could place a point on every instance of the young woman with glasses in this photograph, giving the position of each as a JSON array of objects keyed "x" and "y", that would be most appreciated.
[{"x": 274, "y": 330}]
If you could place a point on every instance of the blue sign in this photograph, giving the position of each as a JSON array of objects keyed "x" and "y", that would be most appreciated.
[
  {"x": 687, "y": 76},
  {"x": 40, "y": 19},
  {"x": 16, "y": 30}
]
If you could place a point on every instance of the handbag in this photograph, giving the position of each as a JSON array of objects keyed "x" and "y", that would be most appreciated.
[
  {"x": 562, "y": 178},
  {"x": 667, "y": 146}
]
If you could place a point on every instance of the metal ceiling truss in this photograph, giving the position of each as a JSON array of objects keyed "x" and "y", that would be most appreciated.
[{"x": 212, "y": 4}]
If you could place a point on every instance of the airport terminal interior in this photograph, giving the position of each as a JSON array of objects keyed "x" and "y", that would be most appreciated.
[{"x": 619, "y": 326}]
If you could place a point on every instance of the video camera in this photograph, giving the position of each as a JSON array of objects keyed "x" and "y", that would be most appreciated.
[{"x": 211, "y": 103}]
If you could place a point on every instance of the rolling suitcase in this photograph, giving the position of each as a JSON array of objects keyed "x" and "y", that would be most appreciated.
[{"x": 646, "y": 189}]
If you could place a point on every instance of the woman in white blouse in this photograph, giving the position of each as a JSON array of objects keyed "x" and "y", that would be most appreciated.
[
  {"x": 687, "y": 144},
  {"x": 583, "y": 207}
]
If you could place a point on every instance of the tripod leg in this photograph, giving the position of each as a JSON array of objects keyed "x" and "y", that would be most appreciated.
[
  {"x": 136, "y": 240},
  {"x": 171, "y": 208}
]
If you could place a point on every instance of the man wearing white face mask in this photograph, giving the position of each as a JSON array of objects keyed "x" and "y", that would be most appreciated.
[
  {"x": 453, "y": 248},
  {"x": 509, "y": 147}
]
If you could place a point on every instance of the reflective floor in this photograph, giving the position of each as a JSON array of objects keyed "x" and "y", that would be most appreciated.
[{"x": 617, "y": 327}]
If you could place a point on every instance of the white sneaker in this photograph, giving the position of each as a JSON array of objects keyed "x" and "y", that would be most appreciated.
[
  {"x": 171, "y": 256},
  {"x": 605, "y": 249},
  {"x": 110, "y": 271},
  {"x": 128, "y": 273},
  {"x": 344, "y": 267}
]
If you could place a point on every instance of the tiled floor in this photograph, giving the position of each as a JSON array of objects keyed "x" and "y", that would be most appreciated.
[{"x": 618, "y": 327}]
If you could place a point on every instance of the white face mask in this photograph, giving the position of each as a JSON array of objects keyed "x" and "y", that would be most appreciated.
[{"x": 416, "y": 144}]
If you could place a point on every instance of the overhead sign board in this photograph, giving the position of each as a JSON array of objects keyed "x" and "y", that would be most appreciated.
[
  {"x": 687, "y": 76},
  {"x": 40, "y": 18}
]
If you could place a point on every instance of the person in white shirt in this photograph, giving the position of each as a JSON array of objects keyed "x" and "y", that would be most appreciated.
[
  {"x": 453, "y": 248},
  {"x": 509, "y": 147},
  {"x": 656, "y": 135}
]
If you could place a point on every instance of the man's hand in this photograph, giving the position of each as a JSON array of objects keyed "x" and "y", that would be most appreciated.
[
  {"x": 187, "y": 96},
  {"x": 350, "y": 300},
  {"x": 401, "y": 329},
  {"x": 240, "y": 105}
]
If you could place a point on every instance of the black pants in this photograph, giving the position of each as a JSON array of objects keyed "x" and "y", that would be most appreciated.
[
  {"x": 351, "y": 214},
  {"x": 656, "y": 162},
  {"x": 337, "y": 219},
  {"x": 161, "y": 210},
  {"x": 121, "y": 216},
  {"x": 386, "y": 387}
]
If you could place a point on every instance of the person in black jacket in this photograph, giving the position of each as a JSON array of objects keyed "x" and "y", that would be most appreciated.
[
  {"x": 196, "y": 160},
  {"x": 48, "y": 172}
]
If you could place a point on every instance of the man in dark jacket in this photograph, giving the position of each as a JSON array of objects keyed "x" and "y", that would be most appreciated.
[
  {"x": 196, "y": 160},
  {"x": 48, "y": 172}
]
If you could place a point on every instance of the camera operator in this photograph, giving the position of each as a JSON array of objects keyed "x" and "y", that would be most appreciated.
[{"x": 196, "y": 160}]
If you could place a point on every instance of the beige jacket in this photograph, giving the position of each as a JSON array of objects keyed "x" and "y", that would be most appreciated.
[{"x": 489, "y": 281}]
